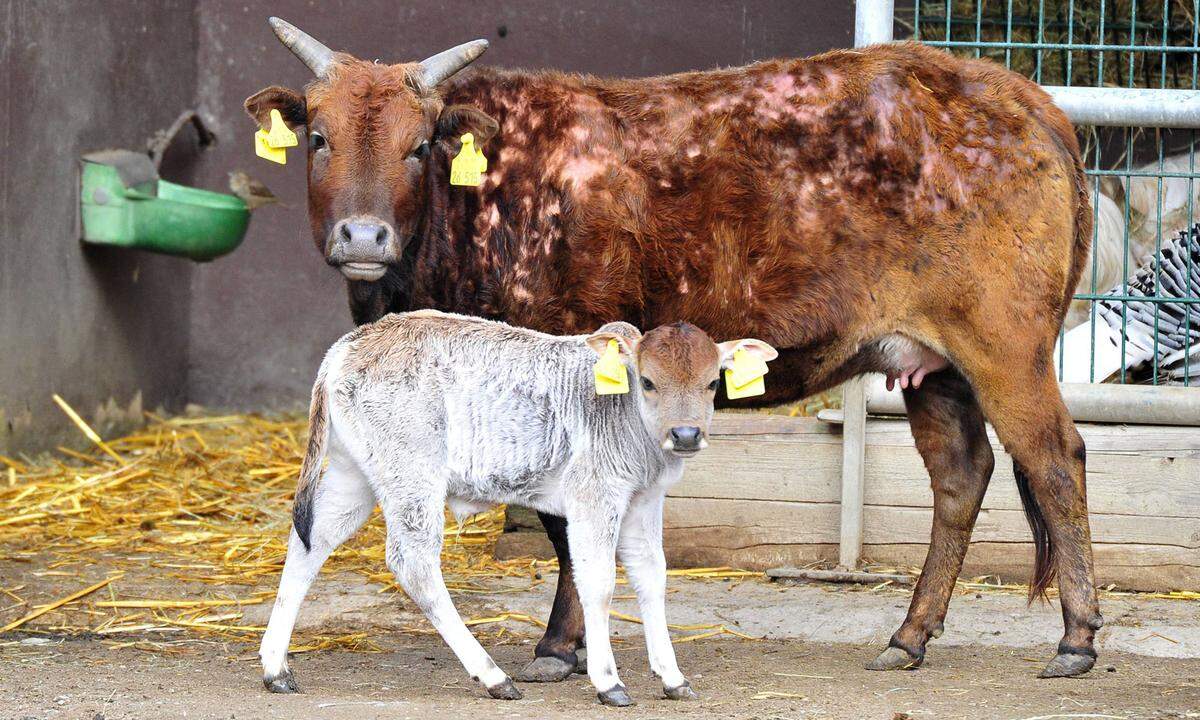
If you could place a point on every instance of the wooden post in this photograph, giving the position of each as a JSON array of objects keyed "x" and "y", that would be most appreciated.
[{"x": 854, "y": 443}]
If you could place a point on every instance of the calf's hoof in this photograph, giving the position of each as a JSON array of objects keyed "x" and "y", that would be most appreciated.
[
  {"x": 616, "y": 697},
  {"x": 284, "y": 682},
  {"x": 505, "y": 691},
  {"x": 1067, "y": 665},
  {"x": 895, "y": 658},
  {"x": 546, "y": 669},
  {"x": 681, "y": 692}
]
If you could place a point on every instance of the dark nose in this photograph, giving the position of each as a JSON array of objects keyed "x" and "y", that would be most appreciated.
[
  {"x": 363, "y": 235},
  {"x": 685, "y": 438}
]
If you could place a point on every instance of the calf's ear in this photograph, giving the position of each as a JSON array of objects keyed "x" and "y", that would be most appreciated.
[
  {"x": 456, "y": 120},
  {"x": 290, "y": 104},
  {"x": 626, "y": 346},
  {"x": 750, "y": 345}
]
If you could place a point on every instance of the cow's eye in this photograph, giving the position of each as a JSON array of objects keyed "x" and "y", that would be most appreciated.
[
  {"x": 420, "y": 151},
  {"x": 712, "y": 386},
  {"x": 316, "y": 141},
  {"x": 647, "y": 385}
]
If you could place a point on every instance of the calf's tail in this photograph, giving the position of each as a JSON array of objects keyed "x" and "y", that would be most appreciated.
[{"x": 314, "y": 459}]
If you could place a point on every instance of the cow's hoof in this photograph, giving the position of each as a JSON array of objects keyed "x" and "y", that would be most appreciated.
[
  {"x": 681, "y": 692},
  {"x": 546, "y": 669},
  {"x": 581, "y": 661},
  {"x": 284, "y": 682},
  {"x": 616, "y": 697},
  {"x": 894, "y": 658},
  {"x": 1067, "y": 665},
  {"x": 505, "y": 691}
]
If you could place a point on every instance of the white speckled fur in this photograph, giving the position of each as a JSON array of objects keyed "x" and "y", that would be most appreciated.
[{"x": 426, "y": 409}]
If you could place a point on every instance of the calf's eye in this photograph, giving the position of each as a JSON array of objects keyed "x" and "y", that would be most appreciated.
[
  {"x": 647, "y": 385},
  {"x": 316, "y": 141},
  {"x": 420, "y": 151}
]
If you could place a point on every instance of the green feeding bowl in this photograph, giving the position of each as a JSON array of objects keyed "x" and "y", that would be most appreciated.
[{"x": 124, "y": 203}]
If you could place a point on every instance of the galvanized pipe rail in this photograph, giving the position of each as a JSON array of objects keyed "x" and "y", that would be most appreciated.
[{"x": 1117, "y": 107}]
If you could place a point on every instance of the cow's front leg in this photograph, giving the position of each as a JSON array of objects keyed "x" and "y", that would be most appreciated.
[
  {"x": 414, "y": 545},
  {"x": 592, "y": 528},
  {"x": 556, "y": 656},
  {"x": 641, "y": 551}
]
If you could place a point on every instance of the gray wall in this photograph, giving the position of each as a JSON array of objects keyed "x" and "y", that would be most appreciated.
[
  {"x": 104, "y": 327},
  {"x": 263, "y": 316},
  {"x": 100, "y": 327}
]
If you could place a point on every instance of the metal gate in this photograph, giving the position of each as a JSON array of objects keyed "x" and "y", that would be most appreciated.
[{"x": 1126, "y": 75}]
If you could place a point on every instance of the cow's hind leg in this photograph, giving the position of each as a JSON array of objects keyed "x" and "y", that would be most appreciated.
[
  {"x": 414, "y": 544},
  {"x": 342, "y": 502},
  {"x": 556, "y": 655},
  {"x": 948, "y": 427},
  {"x": 1023, "y": 403}
]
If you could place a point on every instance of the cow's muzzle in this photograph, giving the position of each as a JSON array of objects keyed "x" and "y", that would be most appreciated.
[
  {"x": 685, "y": 440},
  {"x": 362, "y": 248}
]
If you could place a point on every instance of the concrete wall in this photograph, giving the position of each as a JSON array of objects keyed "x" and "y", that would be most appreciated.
[
  {"x": 106, "y": 327},
  {"x": 102, "y": 328},
  {"x": 262, "y": 317}
]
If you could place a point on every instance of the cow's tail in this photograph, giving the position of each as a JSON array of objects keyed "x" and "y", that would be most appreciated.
[
  {"x": 313, "y": 465},
  {"x": 1043, "y": 548}
]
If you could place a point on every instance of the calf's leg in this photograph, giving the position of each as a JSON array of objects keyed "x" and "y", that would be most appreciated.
[
  {"x": 556, "y": 657},
  {"x": 414, "y": 546},
  {"x": 592, "y": 529},
  {"x": 948, "y": 427},
  {"x": 342, "y": 503},
  {"x": 641, "y": 551}
]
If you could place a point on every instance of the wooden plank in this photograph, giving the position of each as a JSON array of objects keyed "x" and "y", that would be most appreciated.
[
  {"x": 786, "y": 523},
  {"x": 747, "y": 468},
  {"x": 1137, "y": 567}
]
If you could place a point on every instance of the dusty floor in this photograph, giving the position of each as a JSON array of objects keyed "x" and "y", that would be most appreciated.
[{"x": 808, "y": 665}]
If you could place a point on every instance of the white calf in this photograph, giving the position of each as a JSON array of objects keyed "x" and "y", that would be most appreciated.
[{"x": 423, "y": 409}]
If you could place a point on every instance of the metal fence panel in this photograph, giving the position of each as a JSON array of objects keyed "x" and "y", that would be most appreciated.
[{"x": 1143, "y": 177}]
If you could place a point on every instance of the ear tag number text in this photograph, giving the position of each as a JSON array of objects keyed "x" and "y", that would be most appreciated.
[
  {"x": 469, "y": 165},
  {"x": 270, "y": 144}
]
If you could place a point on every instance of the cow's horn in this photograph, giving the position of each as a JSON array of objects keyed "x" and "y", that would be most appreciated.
[
  {"x": 440, "y": 67},
  {"x": 312, "y": 53}
]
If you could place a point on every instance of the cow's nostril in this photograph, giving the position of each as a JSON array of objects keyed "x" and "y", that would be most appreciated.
[
  {"x": 685, "y": 437},
  {"x": 344, "y": 234},
  {"x": 381, "y": 235}
]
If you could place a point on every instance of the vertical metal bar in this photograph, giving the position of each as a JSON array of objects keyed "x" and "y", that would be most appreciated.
[
  {"x": 873, "y": 21},
  {"x": 978, "y": 26},
  {"x": 1008, "y": 38},
  {"x": 872, "y": 24},
  {"x": 854, "y": 445}
]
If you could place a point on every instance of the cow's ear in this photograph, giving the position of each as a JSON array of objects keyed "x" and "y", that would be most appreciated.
[
  {"x": 626, "y": 346},
  {"x": 750, "y": 345},
  {"x": 289, "y": 103},
  {"x": 456, "y": 120}
]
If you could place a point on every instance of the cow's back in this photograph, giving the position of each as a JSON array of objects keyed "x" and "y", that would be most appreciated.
[{"x": 791, "y": 200}]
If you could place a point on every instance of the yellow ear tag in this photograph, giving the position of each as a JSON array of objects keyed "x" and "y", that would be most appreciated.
[
  {"x": 745, "y": 378},
  {"x": 280, "y": 135},
  {"x": 469, "y": 165},
  {"x": 265, "y": 151},
  {"x": 270, "y": 144},
  {"x": 611, "y": 376}
]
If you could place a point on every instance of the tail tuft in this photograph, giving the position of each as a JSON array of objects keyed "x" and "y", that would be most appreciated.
[
  {"x": 1043, "y": 547},
  {"x": 314, "y": 460}
]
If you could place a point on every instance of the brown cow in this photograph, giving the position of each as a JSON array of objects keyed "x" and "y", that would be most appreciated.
[{"x": 891, "y": 209}]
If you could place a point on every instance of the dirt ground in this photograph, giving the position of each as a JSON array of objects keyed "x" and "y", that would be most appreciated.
[
  {"x": 416, "y": 677},
  {"x": 808, "y": 664}
]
